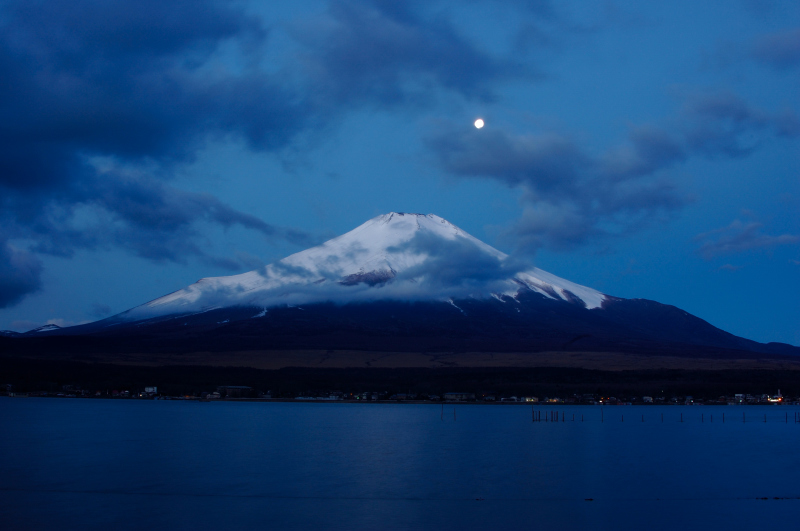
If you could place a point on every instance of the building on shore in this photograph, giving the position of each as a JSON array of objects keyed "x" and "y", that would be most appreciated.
[{"x": 459, "y": 397}]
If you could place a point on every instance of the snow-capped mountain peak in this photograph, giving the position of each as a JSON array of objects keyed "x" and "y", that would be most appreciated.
[{"x": 395, "y": 256}]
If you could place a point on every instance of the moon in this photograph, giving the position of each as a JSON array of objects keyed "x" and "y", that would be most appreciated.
[{"x": 479, "y": 123}]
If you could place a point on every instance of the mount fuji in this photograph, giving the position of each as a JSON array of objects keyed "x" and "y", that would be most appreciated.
[
  {"x": 394, "y": 256},
  {"x": 404, "y": 283}
]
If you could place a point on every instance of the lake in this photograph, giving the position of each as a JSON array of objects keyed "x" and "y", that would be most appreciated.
[{"x": 136, "y": 464}]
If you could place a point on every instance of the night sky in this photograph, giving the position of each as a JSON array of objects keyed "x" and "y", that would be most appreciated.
[{"x": 648, "y": 150}]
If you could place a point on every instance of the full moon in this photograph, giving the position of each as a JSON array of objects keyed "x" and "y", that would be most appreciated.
[{"x": 479, "y": 123}]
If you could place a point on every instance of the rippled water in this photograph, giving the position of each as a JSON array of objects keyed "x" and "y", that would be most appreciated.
[{"x": 128, "y": 464}]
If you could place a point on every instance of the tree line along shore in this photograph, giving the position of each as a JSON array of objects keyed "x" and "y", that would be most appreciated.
[{"x": 477, "y": 384}]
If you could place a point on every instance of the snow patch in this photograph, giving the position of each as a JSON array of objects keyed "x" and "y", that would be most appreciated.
[
  {"x": 46, "y": 328},
  {"x": 456, "y": 306}
]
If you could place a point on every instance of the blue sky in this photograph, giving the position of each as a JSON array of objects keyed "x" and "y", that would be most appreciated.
[{"x": 645, "y": 150}]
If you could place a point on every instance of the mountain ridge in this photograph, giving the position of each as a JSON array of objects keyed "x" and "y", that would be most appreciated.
[
  {"x": 395, "y": 256},
  {"x": 401, "y": 281}
]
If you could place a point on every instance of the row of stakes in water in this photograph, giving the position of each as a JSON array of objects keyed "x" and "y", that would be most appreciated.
[
  {"x": 553, "y": 416},
  {"x": 556, "y": 416}
]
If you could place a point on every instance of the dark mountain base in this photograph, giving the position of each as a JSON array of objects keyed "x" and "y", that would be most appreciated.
[
  {"x": 52, "y": 376},
  {"x": 529, "y": 323}
]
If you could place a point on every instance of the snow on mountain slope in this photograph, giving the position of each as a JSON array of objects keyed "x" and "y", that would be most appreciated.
[
  {"x": 393, "y": 256},
  {"x": 45, "y": 328}
]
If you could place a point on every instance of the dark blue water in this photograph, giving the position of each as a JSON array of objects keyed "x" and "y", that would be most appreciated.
[{"x": 127, "y": 464}]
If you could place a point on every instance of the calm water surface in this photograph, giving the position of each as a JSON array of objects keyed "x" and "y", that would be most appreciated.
[{"x": 129, "y": 464}]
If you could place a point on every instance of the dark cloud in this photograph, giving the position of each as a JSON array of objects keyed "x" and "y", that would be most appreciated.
[
  {"x": 739, "y": 237},
  {"x": 132, "y": 80},
  {"x": 20, "y": 274},
  {"x": 569, "y": 195},
  {"x": 723, "y": 124},
  {"x": 547, "y": 163},
  {"x": 139, "y": 84},
  {"x": 781, "y": 49},
  {"x": 572, "y": 196},
  {"x": 146, "y": 216},
  {"x": 648, "y": 150},
  {"x": 386, "y": 52},
  {"x": 456, "y": 264}
]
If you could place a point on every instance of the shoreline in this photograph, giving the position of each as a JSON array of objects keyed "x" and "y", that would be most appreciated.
[{"x": 409, "y": 402}]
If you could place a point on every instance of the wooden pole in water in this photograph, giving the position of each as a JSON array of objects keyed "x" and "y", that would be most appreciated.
[
  {"x": 662, "y": 418},
  {"x": 701, "y": 418},
  {"x": 681, "y": 417},
  {"x": 601, "y": 414},
  {"x": 442, "y": 410},
  {"x": 723, "y": 418},
  {"x": 454, "y": 413},
  {"x": 642, "y": 418},
  {"x": 743, "y": 417},
  {"x": 765, "y": 418}
]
